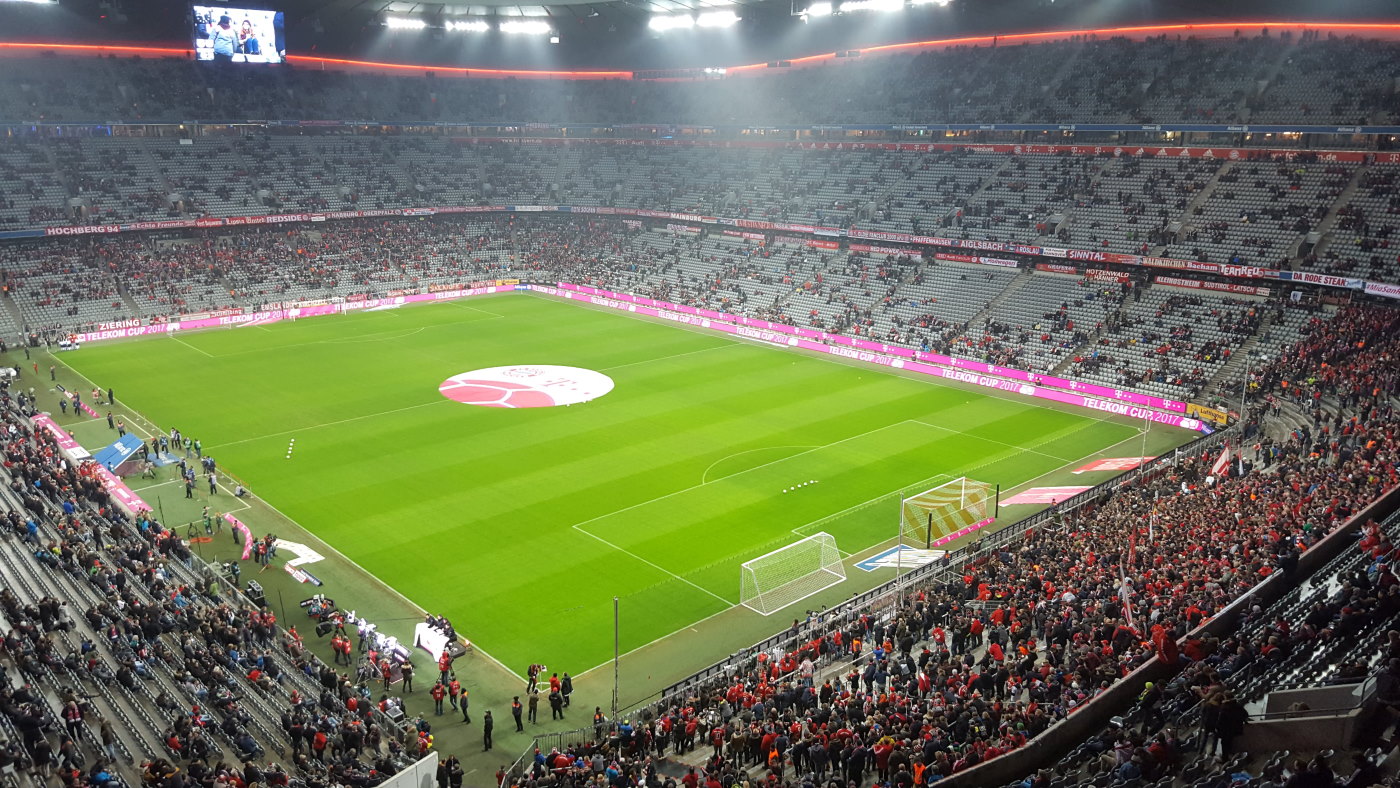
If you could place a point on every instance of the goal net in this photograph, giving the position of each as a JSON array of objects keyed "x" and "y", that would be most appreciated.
[
  {"x": 789, "y": 574},
  {"x": 946, "y": 509}
]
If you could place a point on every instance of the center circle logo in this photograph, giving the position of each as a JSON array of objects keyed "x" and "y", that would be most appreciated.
[{"x": 526, "y": 386}]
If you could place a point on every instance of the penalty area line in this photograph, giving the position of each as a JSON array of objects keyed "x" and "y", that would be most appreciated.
[
  {"x": 326, "y": 424},
  {"x": 192, "y": 347},
  {"x": 657, "y": 567}
]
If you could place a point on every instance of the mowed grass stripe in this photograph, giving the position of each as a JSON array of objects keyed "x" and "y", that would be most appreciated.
[{"x": 469, "y": 511}]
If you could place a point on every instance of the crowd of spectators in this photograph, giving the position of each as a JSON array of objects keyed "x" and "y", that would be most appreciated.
[
  {"x": 971, "y": 667},
  {"x": 218, "y": 691},
  {"x": 1160, "y": 79}
]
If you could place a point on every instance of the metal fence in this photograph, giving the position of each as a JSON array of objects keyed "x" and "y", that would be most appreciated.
[{"x": 877, "y": 600}]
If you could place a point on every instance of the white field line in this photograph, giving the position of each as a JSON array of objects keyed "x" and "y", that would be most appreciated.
[
  {"x": 328, "y": 424},
  {"x": 799, "y": 530},
  {"x": 326, "y": 545},
  {"x": 706, "y": 474},
  {"x": 673, "y": 355},
  {"x": 153, "y": 486},
  {"x": 858, "y": 553},
  {"x": 1003, "y": 443},
  {"x": 731, "y": 476},
  {"x": 330, "y": 549},
  {"x": 657, "y": 567},
  {"x": 192, "y": 347},
  {"x": 829, "y": 358},
  {"x": 402, "y": 334},
  {"x": 871, "y": 549},
  {"x": 458, "y": 302}
]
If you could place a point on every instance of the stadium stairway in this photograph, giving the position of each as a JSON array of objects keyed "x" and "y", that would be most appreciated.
[
  {"x": 1324, "y": 227},
  {"x": 1197, "y": 200},
  {"x": 1009, "y": 290},
  {"x": 1230, "y": 370},
  {"x": 12, "y": 309}
]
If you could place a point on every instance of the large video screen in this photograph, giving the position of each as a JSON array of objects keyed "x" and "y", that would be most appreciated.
[{"x": 238, "y": 35}]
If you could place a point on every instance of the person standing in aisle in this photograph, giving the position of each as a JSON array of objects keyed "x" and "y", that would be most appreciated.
[
  {"x": 486, "y": 725},
  {"x": 517, "y": 711}
]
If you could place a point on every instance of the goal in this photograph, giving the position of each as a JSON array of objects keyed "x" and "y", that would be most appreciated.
[
  {"x": 790, "y": 574},
  {"x": 944, "y": 510}
]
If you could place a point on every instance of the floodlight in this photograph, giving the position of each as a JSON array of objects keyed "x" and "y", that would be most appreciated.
[
  {"x": 468, "y": 25},
  {"x": 717, "y": 19},
  {"x": 526, "y": 27},
  {"x": 661, "y": 24}
]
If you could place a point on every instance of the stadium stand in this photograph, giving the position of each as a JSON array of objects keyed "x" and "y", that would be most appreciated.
[{"x": 131, "y": 655}]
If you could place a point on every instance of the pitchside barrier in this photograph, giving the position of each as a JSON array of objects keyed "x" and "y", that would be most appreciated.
[
  {"x": 1094, "y": 716},
  {"x": 881, "y": 598},
  {"x": 877, "y": 600}
]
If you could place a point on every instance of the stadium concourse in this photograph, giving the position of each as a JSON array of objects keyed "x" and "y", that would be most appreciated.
[{"x": 173, "y": 678}]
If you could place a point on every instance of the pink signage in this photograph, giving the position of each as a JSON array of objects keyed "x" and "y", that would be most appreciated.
[
  {"x": 1088, "y": 395},
  {"x": 1043, "y": 495},
  {"x": 247, "y": 535},
  {"x": 277, "y": 315},
  {"x": 70, "y": 447}
]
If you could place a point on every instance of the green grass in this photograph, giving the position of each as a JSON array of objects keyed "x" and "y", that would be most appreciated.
[{"x": 521, "y": 525}]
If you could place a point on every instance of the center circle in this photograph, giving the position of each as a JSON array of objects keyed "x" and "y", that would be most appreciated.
[{"x": 526, "y": 386}]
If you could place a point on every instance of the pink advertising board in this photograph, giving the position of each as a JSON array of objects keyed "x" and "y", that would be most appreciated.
[
  {"x": 70, "y": 447},
  {"x": 1088, "y": 395},
  {"x": 125, "y": 498},
  {"x": 1114, "y": 401},
  {"x": 277, "y": 315}
]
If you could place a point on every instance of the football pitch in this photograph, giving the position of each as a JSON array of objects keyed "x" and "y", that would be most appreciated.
[{"x": 521, "y": 525}]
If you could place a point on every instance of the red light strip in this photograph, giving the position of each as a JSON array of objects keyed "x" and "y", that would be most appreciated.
[
  {"x": 97, "y": 49},
  {"x": 1051, "y": 35},
  {"x": 481, "y": 72}
]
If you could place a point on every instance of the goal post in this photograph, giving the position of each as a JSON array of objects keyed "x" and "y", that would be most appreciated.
[
  {"x": 790, "y": 574},
  {"x": 946, "y": 509}
]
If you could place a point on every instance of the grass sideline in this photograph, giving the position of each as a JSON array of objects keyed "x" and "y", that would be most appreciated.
[{"x": 521, "y": 525}]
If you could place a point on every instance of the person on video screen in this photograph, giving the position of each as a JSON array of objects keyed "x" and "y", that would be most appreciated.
[
  {"x": 224, "y": 39},
  {"x": 248, "y": 40}
]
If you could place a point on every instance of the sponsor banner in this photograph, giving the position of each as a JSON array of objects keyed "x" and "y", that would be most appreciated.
[
  {"x": 112, "y": 325},
  {"x": 1114, "y": 464},
  {"x": 683, "y": 228},
  {"x": 129, "y": 501},
  {"x": 91, "y": 229},
  {"x": 1105, "y": 275},
  {"x": 816, "y": 244},
  {"x": 1150, "y": 151},
  {"x": 120, "y": 493},
  {"x": 73, "y": 450},
  {"x": 1382, "y": 289},
  {"x": 901, "y": 558},
  {"x": 122, "y": 333},
  {"x": 1326, "y": 280},
  {"x": 873, "y": 249},
  {"x": 166, "y": 224},
  {"x": 1208, "y": 414},
  {"x": 976, "y": 259},
  {"x": 1126, "y": 403},
  {"x": 1227, "y": 270},
  {"x": 1043, "y": 495},
  {"x": 1057, "y": 268},
  {"x": 1195, "y": 284},
  {"x": 997, "y": 261}
]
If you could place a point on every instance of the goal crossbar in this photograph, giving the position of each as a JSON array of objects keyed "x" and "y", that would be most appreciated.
[{"x": 790, "y": 574}]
